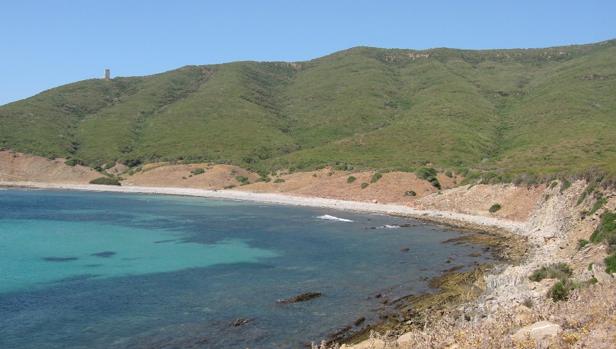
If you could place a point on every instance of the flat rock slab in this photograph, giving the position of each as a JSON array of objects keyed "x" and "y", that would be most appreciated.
[
  {"x": 538, "y": 331},
  {"x": 300, "y": 298}
]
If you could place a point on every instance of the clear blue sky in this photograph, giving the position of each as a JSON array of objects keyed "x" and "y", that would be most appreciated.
[{"x": 49, "y": 43}]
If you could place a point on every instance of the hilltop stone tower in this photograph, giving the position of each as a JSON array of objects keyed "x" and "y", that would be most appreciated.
[{"x": 107, "y": 74}]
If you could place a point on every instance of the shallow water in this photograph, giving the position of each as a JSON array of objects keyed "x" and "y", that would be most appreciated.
[{"x": 104, "y": 270}]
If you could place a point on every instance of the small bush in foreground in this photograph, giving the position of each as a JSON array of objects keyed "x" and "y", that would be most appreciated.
[
  {"x": 197, "y": 171},
  {"x": 582, "y": 243},
  {"x": 105, "y": 181},
  {"x": 559, "y": 271},
  {"x": 561, "y": 289},
  {"x": 410, "y": 193},
  {"x": 364, "y": 185},
  {"x": 606, "y": 231},
  {"x": 494, "y": 208},
  {"x": 351, "y": 179},
  {"x": 610, "y": 263},
  {"x": 279, "y": 180}
]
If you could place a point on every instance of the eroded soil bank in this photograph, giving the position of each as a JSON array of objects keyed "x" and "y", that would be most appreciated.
[{"x": 390, "y": 188}]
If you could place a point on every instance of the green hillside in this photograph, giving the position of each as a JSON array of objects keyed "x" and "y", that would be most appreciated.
[{"x": 502, "y": 113}]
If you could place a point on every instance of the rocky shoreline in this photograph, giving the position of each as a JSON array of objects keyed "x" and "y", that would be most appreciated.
[
  {"x": 450, "y": 289},
  {"x": 504, "y": 308}
]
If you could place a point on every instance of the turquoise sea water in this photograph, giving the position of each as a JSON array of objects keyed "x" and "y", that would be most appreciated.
[{"x": 102, "y": 270}]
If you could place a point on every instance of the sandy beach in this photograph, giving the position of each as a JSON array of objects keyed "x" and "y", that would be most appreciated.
[{"x": 459, "y": 219}]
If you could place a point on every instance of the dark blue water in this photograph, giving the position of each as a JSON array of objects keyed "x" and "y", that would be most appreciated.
[{"x": 97, "y": 270}]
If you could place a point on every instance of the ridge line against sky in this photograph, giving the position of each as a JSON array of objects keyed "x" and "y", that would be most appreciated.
[{"x": 47, "y": 44}]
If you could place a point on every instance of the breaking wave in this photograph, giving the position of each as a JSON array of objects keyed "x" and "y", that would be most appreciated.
[{"x": 333, "y": 218}]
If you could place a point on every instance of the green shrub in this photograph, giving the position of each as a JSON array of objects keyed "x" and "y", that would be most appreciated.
[
  {"x": 73, "y": 162},
  {"x": 494, "y": 208},
  {"x": 343, "y": 167},
  {"x": 198, "y": 171},
  {"x": 108, "y": 165},
  {"x": 561, "y": 289},
  {"x": 564, "y": 185},
  {"x": 582, "y": 243},
  {"x": 610, "y": 263},
  {"x": 426, "y": 173},
  {"x": 364, "y": 185},
  {"x": 589, "y": 190},
  {"x": 553, "y": 184},
  {"x": 242, "y": 179},
  {"x": 601, "y": 200},
  {"x": 559, "y": 271},
  {"x": 449, "y": 174},
  {"x": 429, "y": 174},
  {"x": 132, "y": 162},
  {"x": 435, "y": 183},
  {"x": 279, "y": 180},
  {"x": 351, "y": 179},
  {"x": 606, "y": 231},
  {"x": 106, "y": 181},
  {"x": 410, "y": 193},
  {"x": 375, "y": 177}
]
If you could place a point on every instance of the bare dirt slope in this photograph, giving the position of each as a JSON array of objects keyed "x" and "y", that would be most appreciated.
[
  {"x": 23, "y": 167},
  {"x": 327, "y": 183},
  {"x": 184, "y": 175},
  {"x": 517, "y": 202}
]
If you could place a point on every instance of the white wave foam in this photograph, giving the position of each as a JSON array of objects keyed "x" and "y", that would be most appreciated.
[
  {"x": 388, "y": 226},
  {"x": 333, "y": 218}
]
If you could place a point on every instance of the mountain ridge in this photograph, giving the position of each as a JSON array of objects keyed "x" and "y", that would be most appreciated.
[{"x": 499, "y": 113}]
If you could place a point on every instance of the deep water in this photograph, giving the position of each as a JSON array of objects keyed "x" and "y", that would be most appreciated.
[{"x": 103, "y": 270}]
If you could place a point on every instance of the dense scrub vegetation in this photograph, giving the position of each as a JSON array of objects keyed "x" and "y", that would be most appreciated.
[
  {"x": 500, "y": 115},
  {"x": 606, "y": 233},
  {"x": 429, "y": 174},
  {"x": 562, "y": 272},
  {"x": 552, "y": 271}
]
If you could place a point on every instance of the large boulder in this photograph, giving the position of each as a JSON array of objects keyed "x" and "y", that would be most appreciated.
[
  {"x": 300, "y": 298},
  {"x": 372, "y": 343},
  {"x": 539, "y": 331}
]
